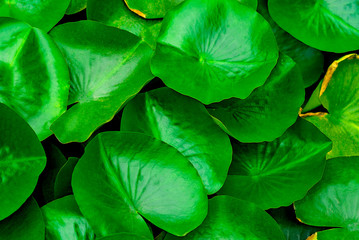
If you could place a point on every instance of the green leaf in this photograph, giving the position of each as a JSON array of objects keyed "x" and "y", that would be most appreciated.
[
  {"x": 63, "y": 220},
  {"x": 76, "y": 6},
  {"x": 232, "y": 218},
  {"x": 327, "y": 25},
  {"x": 115, "y": 13},
  {"x": 213, "y": 50},
  {"x": 62, "y": 186},
  {"x": 25, "y": 223},
  {"x": 108, "y": 66},
  {"x": 310, "y": 60},
  {"x": 34, "y": 79},
  {"x": 38, "y": 13},
  {"x": 339, "y": 94},
  {"x": 274, "y": 174},
  {"x": 124, "y": 236},
  {"x": 151, "y": 8},
  {"x": 22, "y": 159},
  {"x": 291, "y": 227},
  {"x": 264, "y": 116},
  {"x": 333, "y": 202},
  {"x": 183, "y": 123},
  {"x": 123, "y": 177}
]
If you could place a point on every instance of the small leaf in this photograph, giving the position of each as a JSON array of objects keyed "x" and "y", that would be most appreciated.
[{"x": 63, "y": 179}]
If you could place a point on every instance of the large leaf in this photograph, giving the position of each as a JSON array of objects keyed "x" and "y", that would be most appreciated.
[
  {"x": 123, "y": 177},
  {"x": 108, "y": 66},
  {"x": 34, "y": 79},
  {"x": 212, "y": 50},
  {"x": 310, "y": 60},
  {"x": 339, "y": 94},
  {"x": 183, "y": 123},
  {"x": 268, "y": 111},
  {"x": 26, "y": 223},
  {"x": 42, "y": 14},
  {"x": 115, "y": 13},
  {"x": 63, "y": 220},
  {"x": 291, "y": 227},
  {"x": 22, "y": 159},
  {"x": 328, "y": 25},
  {"x": 334, "y": 201},
  {"x": 232, "y": 218},
  {"x": 274, "y": 174}
]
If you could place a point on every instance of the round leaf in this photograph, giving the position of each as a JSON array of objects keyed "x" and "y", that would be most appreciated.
[
  {"x": 328, "y": 25},
  {"x": 274, "y": 174},
  {"x": 310, "y": 60},
  {"x": 22, "y": 159},
  {"x": 108, "y": 66},
  {"x": 38, "y": 13},
  {"x": 25, "y": 223},
  {"x": 183, "y": 123},
  {"x": 264, "y": 116},
  {"x": 34, "y": 76},
  {"x": 115, "y": 13},
  {"x": 123, "y": 177},
  {"x": 63, "y": 220},
  {"x": 232, "y": 218},
  {"x": 76, "y": 6},
  {"x": 212, "y": 50},
  {"x": 339, "y": 94},
  {"x": 334, "y": 201}
]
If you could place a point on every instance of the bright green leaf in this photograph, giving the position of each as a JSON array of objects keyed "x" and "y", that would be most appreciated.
[
  {"x": 63, "y": 220},
  {"x": 232, "y": 218},
  {"x": 183, "y": 123},
  {"x": 42, "y": 14},
  {"x": 34, "y": 79},
  {"x": 124, "y": 236},
  {"x": 25, "y": 223},
  {"x": 274, "y": 174},
  {"x": 108, "y": 66},
  {"x": 212, "y": 50},
  {"x": 123, "y": 177},
  {"x": 62, "y": 186},
  {"x": 339, "y": 94},
  {"x": 268, "y": 111},
  {"x": 328, "y": 25},
  {"x": 76, "y": 6},
  {"x": 22, "y": 159}
]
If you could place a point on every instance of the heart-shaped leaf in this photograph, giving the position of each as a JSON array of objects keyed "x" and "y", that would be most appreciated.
[
  {"x": 115, "y": 13},
  {"x": 76, "y": 6},
  {"x": 123, "y": 177},
  {"x": 25, "y": 223},
  {"x": 339, "y": 94},
  {"x": 232, "y": 218},
  {"x": 108, "y": 66},
  {"x": 63, "y": 220},
  {"x": 264, "y": 116},
  {"x": 34, "y": 79},
  {"x": 328, "y": 25},
  {"x": 183, "y": 123},
  {"x": 334, "y": 201},
  {"x": 274, "y": 174},
  {"x": 38, "y": 13},
  {"x": 212, "y": 50},
  {"x": 22, "y": 159},
  {"x": 310, "y": 60}
]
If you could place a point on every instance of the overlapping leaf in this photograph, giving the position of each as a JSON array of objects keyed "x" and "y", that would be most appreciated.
[
  {"x": 212, "y": 50},
  {"x": 184, "y": 124},
  {"x": 268, "y": 111},
  {"x": 339, "y": 94},
  {"x": 334, "y": 201},
  {"x": 34, "y": 79},
  {"x": 124, "y": 177},
  {"x": 76, "y": 6},
  {"x": 327, "y": 25},
  {"x": 274, "y": 174},
  {"x": 108, "y": 66},
  {"x": 22, "y": 159}
]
